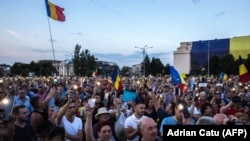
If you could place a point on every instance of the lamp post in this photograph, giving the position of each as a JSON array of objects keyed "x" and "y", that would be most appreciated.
[
  {"x": 143, "y": 53},
  {"x": 208, "y": 57}
]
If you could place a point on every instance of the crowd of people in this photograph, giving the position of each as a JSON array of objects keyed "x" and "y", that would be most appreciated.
[{"x": 91, "y": 109}]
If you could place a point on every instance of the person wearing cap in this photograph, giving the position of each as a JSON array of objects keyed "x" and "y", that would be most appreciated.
[
  {"x": 168, "y": 95},
  {"x": 131, "y": 123},
  {"x": 103, "y": 115},
  {"x": 232, "y": 107},
  {"x": 193, "y": 110}
]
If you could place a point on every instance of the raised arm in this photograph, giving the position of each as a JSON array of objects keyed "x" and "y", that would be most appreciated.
[
  {"x": 88, "y": 124},
  {"x": 63, "y": 109}
]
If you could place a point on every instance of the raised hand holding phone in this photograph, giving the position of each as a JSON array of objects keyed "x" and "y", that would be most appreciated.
[{"x": 91, "y": 103}]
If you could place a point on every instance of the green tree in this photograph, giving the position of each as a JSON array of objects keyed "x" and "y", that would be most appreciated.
[
  {"x": 247, "y": 63},
  {"x": 166, "y": 69},
  {"x": 227, "y": 64},
  {"x": 87, "y": 63},
  {"x": 147, "y": 65},
  {"x": 76, "y": 59},
  {"x": 214, "y": 65},
  {"x": 125, "y": 71},
  {"x": 195, "y": 69},
  {"x": 156, "y": 67},
  {"x": 16, "y": 68},
  {"x": 84, "y": 63}
]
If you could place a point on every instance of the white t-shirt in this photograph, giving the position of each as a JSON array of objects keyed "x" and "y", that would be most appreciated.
[
  {"x": 72, "y": 128},
  {"x": 133, "y": 122}
]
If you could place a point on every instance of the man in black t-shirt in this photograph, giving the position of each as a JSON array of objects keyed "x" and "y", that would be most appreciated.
[{"x": 22, "y": 130}]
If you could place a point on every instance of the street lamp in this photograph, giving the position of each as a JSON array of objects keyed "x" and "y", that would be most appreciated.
[
  {"x": 143, "y": 53},
  {"x": 208, "y": 50}
]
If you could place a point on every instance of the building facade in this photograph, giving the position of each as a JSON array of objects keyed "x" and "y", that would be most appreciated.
[{"x": 199, "y": 52}]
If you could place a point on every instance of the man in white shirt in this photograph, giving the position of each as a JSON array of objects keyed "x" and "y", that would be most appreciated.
[
  {"x": 71, "y": 123},
  {"x": 131, "y": 123}
]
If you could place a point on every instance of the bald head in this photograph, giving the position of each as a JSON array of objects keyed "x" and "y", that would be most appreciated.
[
  {"x": 145, "y": 121},
  {"x": 148, "y": 129},
  {"x": 219, "y": 118}
]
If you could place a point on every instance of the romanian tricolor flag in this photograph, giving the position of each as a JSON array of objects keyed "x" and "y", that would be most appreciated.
[
  {"x": 224, "y": 76},
  {"x": 117, "y": 80},
  {"x": 243, "y": 73},
  {"x": 55, "y": 12},
  {"x": 178, "y": 79}
]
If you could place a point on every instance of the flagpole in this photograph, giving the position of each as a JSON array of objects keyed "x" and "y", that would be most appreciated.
[{"x": 51, "y": 41}]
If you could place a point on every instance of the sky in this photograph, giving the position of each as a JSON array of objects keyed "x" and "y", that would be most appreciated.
[{"x": 112, "y": 29}]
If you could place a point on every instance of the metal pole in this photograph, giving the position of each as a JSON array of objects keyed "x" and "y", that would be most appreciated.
[
  {"x": 208, "y": 49},
  {"x": 144, "y": 61},
  {"x": 144, "y": 53}
]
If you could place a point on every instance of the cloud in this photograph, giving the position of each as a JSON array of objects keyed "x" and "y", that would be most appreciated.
[
  {"x": 14, "y": 33},
  {"x": 221, "y": 13},
  {"x": 195, "y": 1},
  {"x": 41, "y": 50},
  {"x": 48, "y": 50},
  {"x": 53, "y": 40},
  {"x": 17, "y": 35},
  {"x": 77, "y": 33},
  {"x": 135, "y": 58}
]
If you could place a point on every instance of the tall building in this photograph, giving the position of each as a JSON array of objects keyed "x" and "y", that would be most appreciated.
[{"x": 200, "y": 51}]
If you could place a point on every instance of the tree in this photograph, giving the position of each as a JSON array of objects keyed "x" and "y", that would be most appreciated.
[
  {"x": 125, "y": 71},
  {"x": 227, "y": 64},
  {"x": 166, "y": 69},
  {"x": 247, "y": 63},
  {"x": 156, "y": 67},
  {"x": 76, "y": 59},
  {"x": 87, "y": 63},
  {"x": 84, "y": 62},
  {"x": 16, "y": 68},
  {"x": 214, "y": 65},
  {"x": 147, "y": 65},
  {"x": 195, "y": 69}
]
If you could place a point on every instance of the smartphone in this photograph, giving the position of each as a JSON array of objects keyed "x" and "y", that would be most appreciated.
[
  {"x": 106, "y": 96},
  {"x": 184, "y": 109},
  {"x": 186, "y": 113},
  {"x": 54, "y": 82},
  {"x": 91, "y": 103},
  {"x": 6, "y": 106}
]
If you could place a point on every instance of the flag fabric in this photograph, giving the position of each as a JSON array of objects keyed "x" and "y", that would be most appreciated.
[
  {"x": 243, "y": 73},
  {"x": 178, "y": 79},
  {"x": 117, "y": 80},
  {"x": 55, "y": 12},
  {"x": 224, "y": 76},
  {"x": 95, "y": 73},
  {"x": 175, "y": 75}
]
